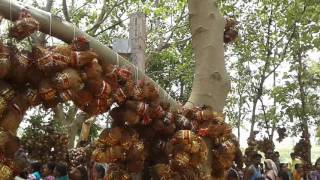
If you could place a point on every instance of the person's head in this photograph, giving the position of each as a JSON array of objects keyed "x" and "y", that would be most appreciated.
[
  {"x": 24, "y": 174},
  {"x": 270, "y": 165},
  {"x": 293, "y": 156},
  {"x": 317, "y": 164},
  {"x": 298, "y": 168},
  {"x": 256, "y": 159},
  {"x": 36, "y": 167},
  {"x": 60, "y": 170},
  {"x": 284, "y": 167},
  {"x": 100, "y": 171},
  {"x": 48, "y": 169},
  {"x": 232, "y": 175},
  {"x": 79, "y": 173}
]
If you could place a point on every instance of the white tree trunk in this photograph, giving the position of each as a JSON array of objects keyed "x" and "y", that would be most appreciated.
[{"x": 211, "y": 82}]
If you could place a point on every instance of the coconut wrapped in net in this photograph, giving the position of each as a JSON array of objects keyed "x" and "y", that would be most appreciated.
[
  {"x": 164, "y": 128},
  {"x": 150, "y": 93},
  {"x": 120, "y": 145},
  {"x": 9, "y": 144},
  {"x": 6, "y": 173},
  {"x": 48, "y": 61},
  {"x": 117, "y": 172},
  {"x": 48, "y": 93},
  {"x": 78, "y": 157},
  {"x": 140, "y": 108},
  {"x": 162, "y": 171},
  {"x": 282, "y": 133},
  {"x": 223, "y": 156},
  {"x": 189, "y": 150},
  {"x": 82, "y": 98},
  {"x": 5, "y": 60},
  {"x": 24, "y": 26},
  {"x": 67, "y": 79},
  {"x": 80, "y": 43},
  {"x": 230, "y": 30},
  {"x": 110, "y": 154},
  {"x": 93, "y": 71},
  {"x": 110, "y": 136},
  {"x": 6, "y": 91},
  {"x": 14, "y": 113},
  {"x": 3, "y": 106},
  {"x": 20, "y": 66},
  {"x": 32, "y": 95}
]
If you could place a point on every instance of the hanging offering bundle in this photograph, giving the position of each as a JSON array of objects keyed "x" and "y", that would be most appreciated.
[{"x": 24, "y": 26}]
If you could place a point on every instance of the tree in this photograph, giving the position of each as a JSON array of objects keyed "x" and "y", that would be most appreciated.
[
  {"x": 211, "y": 82},
  {"x": 203, "y": 23}
]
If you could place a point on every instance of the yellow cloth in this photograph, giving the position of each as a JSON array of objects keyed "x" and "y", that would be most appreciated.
[
  {"x": 5, "y": 172},
  {"x": 296, "y": 176},
  {"x": 294, "y": 162}
]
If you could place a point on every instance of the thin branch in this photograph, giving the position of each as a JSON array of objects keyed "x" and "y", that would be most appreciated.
[
  {"x": 99, "y": 21},
  {"x": 58, "y": 113},
  {"x": 265, "y": 117},
  {"x": 49, "y": 5},
  {"x": 71, "y": 114},
  {"x": 110, "y": 27},
  {"x": 81, "y": 7},
  {"x": 103, "y": 16},
  {"x": 65, "y": 10},
  {"x": 41, "y": 39},
  {"x": 166, "y": 43}
]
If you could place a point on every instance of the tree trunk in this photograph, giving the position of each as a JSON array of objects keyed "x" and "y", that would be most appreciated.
[
  {"x": 304, "y": 113},
  {"x": 240, "y": 114},
  {"x": 211, "y": 82},
  {"x": 253, "y": 116}
]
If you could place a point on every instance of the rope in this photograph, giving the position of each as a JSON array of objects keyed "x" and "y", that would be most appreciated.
[
  {"x": 50, "y": 30},
  {"x": 117, "y": 59},
  {"x": 137, "y": 74},
  {"x": 74, "y": 31}
]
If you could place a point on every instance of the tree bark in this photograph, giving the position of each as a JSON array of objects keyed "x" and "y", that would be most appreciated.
[
  {"x": 211, "y": 82},
  {"x": 303, "y": 99}
]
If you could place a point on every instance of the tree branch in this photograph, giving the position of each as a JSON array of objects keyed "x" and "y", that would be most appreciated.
[
  {"x": 41, "y": 39},
  {"x": 166, "y": 43},
  {"x": 110, "y": 27},
  {"x": 65, "y": 10},
  {"x": 58, "y": 113},
  {"x": 66, "y": 31},
  {"x": 103, "y": 16},
  {"x": 265, "y": 117}
]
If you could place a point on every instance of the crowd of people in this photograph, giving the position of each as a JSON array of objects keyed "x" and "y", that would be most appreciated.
[
  {"x": 270, "y": 170},
  {"x": 60, "y": 171}
]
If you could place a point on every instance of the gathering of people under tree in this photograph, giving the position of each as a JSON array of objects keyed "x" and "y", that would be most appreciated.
[
  {"x": 269, "y": 170},
  {"x": 258, "y": 170}
]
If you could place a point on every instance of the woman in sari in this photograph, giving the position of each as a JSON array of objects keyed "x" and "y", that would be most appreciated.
[{"x": 271, "y": 172}]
